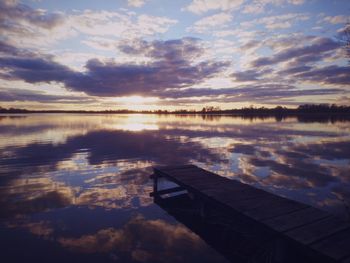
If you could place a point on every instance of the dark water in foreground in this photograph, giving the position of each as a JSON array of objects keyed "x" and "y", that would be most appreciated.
[{"x": 76, "y": 187}]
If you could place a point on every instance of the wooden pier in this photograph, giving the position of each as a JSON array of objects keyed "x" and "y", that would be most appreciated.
[{"x": 323, "y": 236}]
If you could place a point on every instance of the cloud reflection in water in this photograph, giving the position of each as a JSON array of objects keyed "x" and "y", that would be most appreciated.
[{"x": 55, "y": 165}]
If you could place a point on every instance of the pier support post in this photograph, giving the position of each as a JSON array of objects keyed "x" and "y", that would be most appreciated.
[{"x": 155, "y": 184}]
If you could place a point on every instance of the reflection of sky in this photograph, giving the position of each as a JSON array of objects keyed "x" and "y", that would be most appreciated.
[{"x": 56, "y": 170}]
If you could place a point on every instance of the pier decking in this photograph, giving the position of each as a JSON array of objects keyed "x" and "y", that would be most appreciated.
[{"x": 324, "y": 235}]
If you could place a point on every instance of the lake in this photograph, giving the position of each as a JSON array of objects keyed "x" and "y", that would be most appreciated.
[{"x": 75, "y": 187}]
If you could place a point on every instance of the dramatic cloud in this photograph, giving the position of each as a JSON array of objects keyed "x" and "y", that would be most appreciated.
[
  {"x": 171, "y": 68},
  {"x": 294, "y": 70},
  {"x": 312, "y": 52},
  {"x": 328, "y": 75},
  {"x": 139, "y": 53},
  {"x": 22, "y": 24},
  {"x": 7, "y": 49},
  {"x": 268, "y": 93},
  {"x": 249, "y": 75},
  {"x": 23, "y": 14},
  {"x": 32, "y": 68},
  {"x": 11, "y": 95},
  {"x": 297, "y": 63}
]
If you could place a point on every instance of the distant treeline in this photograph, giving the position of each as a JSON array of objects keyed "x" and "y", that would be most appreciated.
[{"x": 279, "y": 110}]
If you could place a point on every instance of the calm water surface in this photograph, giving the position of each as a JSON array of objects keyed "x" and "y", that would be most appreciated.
[{"x": 76, "y": 187}]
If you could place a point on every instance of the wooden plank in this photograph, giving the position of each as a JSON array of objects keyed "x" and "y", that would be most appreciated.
[
  {"x": 296, "y": 219},
  {"x": 222, "y": 191},
  {"x": 187, "y": 177},
  {"x": 229, "y": 197},
  {"x": 199, "y": 178},
  {"x": 274, "y": 209},
  {"x": 194, "y": 174},
  {"x": 180, "y": 183},
  {"x": 193, "y": 171},
  {"x": 196, "y": 179},
  {"x": 317, "y": 230},
  {"x": 165, "y": 170},
  {"x": 336, "y": 246},
  {"x": 261, "y": 202},
  {"x": 167, "y": 191},
  {"x": 246, "y": 202},
  {"x": 202, "y": 186},
  {"x": 223, "y": 186},
  {"x": 174, "y": 167}
]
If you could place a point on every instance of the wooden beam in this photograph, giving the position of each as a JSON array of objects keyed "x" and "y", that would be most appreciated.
[{"x": 168, "y": 191}]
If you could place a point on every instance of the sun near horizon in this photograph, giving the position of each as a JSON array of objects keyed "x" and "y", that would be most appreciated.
[{"x": 150, "y": 54}]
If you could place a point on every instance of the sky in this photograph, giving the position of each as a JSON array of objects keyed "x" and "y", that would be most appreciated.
[{"x": 184, "y": 54}]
